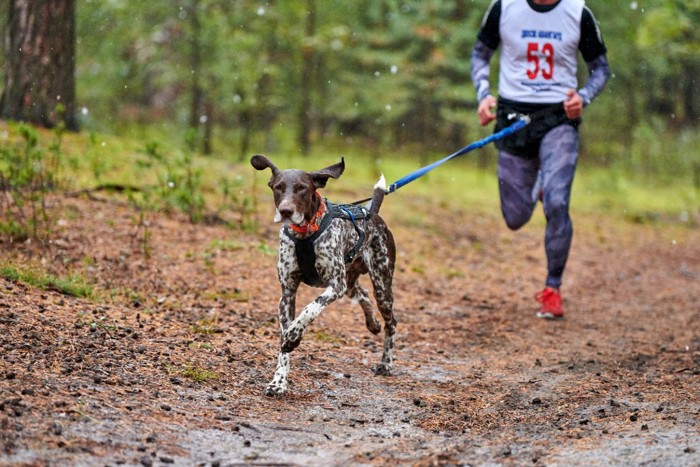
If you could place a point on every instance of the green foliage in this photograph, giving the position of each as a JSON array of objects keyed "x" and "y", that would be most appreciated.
[
  {"x": 28, "y": 172},
  {"x": 389, "y": 87},
  {"x": 198, "y": 375},
  {"x": 387, "y": 73},
  {"x": 670, "y": 30},
  {"x": 74, "y": 286},
  {"x": 143, "y": 235},
  {"x": 235, "y": 198},
  {"x": 179, "y": 184},
  {"x": 266, "y": 249}
]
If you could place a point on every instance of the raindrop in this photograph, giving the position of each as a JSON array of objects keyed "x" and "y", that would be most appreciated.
[
  {"x": 634, "y": 5},
  {"x": 394, "y": 69},
  {"x": 377, "y": 74},
  {"x": 261, "y": 11}
]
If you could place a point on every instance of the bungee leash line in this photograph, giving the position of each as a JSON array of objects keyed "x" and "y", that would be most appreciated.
[{"x": 519, "y": 124}]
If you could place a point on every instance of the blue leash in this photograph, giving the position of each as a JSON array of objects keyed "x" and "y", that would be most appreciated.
[{"x": 518, "y": 125}]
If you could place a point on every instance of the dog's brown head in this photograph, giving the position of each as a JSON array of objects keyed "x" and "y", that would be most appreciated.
[{"x": 295, "y": 190}]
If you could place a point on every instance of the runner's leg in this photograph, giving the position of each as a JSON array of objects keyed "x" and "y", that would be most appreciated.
[
  {"x": 558, "y": 156},
  {"x": 516, "y": 178}
]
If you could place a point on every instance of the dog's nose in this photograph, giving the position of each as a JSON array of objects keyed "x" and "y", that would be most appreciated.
[{"x": 286, "y": 212}]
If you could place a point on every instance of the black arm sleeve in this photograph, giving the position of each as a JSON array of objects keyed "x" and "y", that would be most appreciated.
[
  {"x": 489, "y": 33},
  {"x": 591, "y": 44}
]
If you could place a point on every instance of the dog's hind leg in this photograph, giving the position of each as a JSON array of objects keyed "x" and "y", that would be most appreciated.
[
  {"x": 381, "y": 272},
  {"x": 360, "y": 295},
  {"x": 385, "y": 303}
]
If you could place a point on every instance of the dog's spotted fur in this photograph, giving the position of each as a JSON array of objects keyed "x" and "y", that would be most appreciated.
[{"x": 296, "y": 203}]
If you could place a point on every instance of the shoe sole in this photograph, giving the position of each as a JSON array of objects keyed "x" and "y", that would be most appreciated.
[{"x": 547, "y": 315}]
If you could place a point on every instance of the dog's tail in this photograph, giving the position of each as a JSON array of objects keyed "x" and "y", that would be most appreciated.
[{"x": 377, "y": 196}]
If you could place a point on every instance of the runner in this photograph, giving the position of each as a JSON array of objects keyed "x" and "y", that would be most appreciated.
[{"x": 540, "y": 41}]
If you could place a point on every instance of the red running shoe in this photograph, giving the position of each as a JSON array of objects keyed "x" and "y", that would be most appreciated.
[{"x": 552, "y": 307}]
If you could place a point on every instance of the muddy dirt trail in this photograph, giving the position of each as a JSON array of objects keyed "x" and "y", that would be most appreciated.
[{"x": 167, "y": 365}]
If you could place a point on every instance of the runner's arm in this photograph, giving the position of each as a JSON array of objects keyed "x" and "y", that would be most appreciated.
[
  {"x": 487, "y": 42},
  {"x": 480, "y": 69},
  {"x": 599, "y": 73},
  {"x": 593, "y": 49}
]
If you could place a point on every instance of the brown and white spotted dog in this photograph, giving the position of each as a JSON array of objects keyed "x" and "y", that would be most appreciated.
[{"x": 341, "y": 257}]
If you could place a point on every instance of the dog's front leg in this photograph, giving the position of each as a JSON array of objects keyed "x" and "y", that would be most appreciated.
[
  {"x": 289, "y": 281},
  {"x": 292, "y": 338},
  {"x": 278, "y": 385}
]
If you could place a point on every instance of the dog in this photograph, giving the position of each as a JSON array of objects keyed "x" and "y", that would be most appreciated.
[{"x": 329, "y": 246}]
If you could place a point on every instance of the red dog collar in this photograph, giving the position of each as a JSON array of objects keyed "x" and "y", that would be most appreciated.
[{"x": 311, "y": 227}]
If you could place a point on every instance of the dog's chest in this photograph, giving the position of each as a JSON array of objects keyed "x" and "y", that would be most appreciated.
[{"x": 324, "y": 256}]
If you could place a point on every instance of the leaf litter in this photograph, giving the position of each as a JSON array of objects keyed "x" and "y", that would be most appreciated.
[{"x": 167, "y": 364}]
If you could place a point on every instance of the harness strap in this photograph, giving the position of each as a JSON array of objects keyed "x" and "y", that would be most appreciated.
[
  {"x": 350, "y": 255},
  {"x": 304, "y": 247}
]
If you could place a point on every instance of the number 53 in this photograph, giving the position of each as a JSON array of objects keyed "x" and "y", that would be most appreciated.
[{"x": 535, "y": 56}]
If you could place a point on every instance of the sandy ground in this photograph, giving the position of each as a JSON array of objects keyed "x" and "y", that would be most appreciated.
[{"x": 167, "y": 365}]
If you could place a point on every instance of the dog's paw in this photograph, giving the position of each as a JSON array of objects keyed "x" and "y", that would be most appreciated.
[
  {"x": 292, "y": 338},
  {"x": 275, "y": 389},
  {"x": 382, "y": 369}
]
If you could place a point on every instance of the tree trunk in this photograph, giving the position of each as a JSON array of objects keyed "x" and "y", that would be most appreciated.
[
  {"x": 308, "y": 52},
  {"x": 40, "y": 63},
  {"x": 207, "y": 138},
  {"x": 691, "y": 110},
  {"x": 196, "y": 95}
]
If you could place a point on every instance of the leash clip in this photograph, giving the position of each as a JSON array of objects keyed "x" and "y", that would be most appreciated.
[{"x": 519, "y": 116}]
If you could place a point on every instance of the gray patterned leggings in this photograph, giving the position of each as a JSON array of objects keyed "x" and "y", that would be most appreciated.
[{"x": 519, "y": 184}]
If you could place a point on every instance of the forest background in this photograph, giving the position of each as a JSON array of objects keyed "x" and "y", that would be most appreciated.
[{"x": 387, "y": 78}]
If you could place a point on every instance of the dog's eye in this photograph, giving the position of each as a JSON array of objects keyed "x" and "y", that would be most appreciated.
[
  {"x": 299, "y": 188},
  {"x": 279, "y": 187}
]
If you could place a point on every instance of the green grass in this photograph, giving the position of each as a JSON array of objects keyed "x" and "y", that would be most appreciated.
[
  {"x": 206, "y": 325},
  {"x": 636, "y": 189},
  {"x": 635, "y": 198},
  {"x": 324, "y": 337},
  {"x": 634, "y": 186},
  {"x": 469, "y": 184},
  {"x": 199, "y": 375},
  {"x": 73, "y": 285}
]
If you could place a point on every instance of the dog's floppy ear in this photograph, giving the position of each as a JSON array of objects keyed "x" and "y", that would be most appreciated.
[
  {"x": 320, "y": 177},
  {"x": 261, "y": 162}
]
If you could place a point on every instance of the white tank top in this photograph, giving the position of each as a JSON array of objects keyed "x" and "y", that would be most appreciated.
[{"x": 539, "y": 51}]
